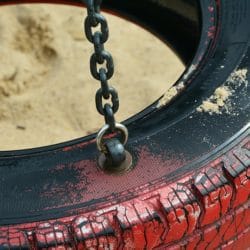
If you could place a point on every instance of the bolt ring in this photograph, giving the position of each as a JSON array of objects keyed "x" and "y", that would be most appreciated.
[{"x": 104, "y": 130}]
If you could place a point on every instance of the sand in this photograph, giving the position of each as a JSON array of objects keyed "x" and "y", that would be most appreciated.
[
  {"x": 46, "y": 91},
  {"x": 220, "y": 102},
  {"x": 217, "y": 102}
]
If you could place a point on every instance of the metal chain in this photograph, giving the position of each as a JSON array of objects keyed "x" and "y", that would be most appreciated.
[{"x": 102, "y": 69}]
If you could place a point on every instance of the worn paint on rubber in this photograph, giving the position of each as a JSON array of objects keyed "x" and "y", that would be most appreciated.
[{"x": 209, "y": 209}]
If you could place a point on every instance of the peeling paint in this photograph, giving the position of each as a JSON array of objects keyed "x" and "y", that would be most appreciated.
[
  {"x": 168, "y": 214},
  {"x": 89, "y": 183}
]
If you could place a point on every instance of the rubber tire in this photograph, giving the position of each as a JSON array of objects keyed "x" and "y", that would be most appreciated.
[{"x": 190, "y": 185}]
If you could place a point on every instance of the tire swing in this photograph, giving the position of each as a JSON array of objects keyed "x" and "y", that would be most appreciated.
[{"x": 185, "y": 183}]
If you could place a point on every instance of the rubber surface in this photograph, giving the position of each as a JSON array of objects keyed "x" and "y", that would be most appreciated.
[
  {"x": 190, "y": 186},
  {"x": 204, "y": 210}
]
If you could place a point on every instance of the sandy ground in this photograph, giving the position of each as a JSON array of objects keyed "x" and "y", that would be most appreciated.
[{"x": 46, "y": 91}]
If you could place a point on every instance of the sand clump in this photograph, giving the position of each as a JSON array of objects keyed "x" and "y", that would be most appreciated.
[
  {"x": 216, "y": 102},
  {"x": 239, "y": 78},
  {"x": 46, "y": 91},
  {"x": 220, "y": 101}
]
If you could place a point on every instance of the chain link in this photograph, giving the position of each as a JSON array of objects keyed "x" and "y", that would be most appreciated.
[{"x": 102, "y": 67}]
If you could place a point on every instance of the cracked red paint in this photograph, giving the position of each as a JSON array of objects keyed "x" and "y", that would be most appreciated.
[{"x": 162, "y": 217}]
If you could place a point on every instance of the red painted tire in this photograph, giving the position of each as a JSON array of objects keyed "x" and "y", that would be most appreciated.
[{"x": 190, "y": 186}]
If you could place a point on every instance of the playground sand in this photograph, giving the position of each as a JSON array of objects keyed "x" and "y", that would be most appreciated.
[{"x": 46, "y": 91}]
